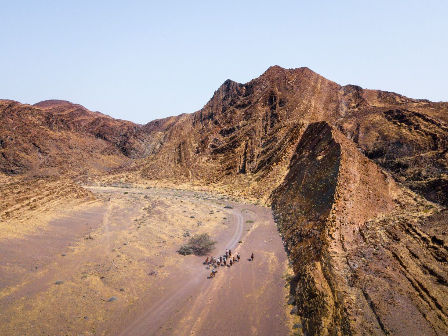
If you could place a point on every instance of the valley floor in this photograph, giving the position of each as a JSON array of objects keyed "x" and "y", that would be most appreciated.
[{"x": 112, "y": 269}]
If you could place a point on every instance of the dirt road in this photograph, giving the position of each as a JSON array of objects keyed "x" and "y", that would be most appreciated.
[{"x": 113, "y": 269}]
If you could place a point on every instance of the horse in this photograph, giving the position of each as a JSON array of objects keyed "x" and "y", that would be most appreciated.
[{"x": 252, "y": 256}]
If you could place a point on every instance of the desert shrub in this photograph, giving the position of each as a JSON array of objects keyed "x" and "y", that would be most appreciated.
[
  {"x": 185, "y": 249},
  {"x": 198, "y": 244}
]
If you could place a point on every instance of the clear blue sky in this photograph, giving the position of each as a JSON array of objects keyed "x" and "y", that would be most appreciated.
[{"x": 142, "y": 60}]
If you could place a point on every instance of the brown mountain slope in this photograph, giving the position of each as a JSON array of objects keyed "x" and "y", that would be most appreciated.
[
  {"x": 242, "y": 139},
  {"x": 57, "y": 137},
  {"x": 369, "y": 257},
  {"x": 245, "y": 135}
]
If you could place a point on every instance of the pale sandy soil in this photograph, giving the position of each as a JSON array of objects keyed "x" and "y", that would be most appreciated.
[{"x": 58, "y": 280}]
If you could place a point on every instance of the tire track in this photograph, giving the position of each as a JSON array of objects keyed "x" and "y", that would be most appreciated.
[
  {"x": 154, "y": 317},
  {"x": 238, "y": 232},
  {"x": 107, "y": 234}
]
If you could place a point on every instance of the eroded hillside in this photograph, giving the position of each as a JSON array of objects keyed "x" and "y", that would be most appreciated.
[
  {"x": 61, "y": 138},
  {"x": 369, "y": 256},
  {"x": 242, "y": 140},
  {"x": 27, "y": 203},
  {"x": 246, "y": 134}
]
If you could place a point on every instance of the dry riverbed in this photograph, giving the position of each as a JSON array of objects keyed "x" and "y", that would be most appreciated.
[{"x": 112, "y": 268}]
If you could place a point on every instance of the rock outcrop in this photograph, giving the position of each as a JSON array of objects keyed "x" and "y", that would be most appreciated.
[
  {"x": 23, "y": 196},
  {"x": 364, "y": 260}
]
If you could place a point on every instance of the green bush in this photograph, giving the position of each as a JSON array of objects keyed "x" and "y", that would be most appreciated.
[
  {"x": 198, "y": 245},
  {"x": 185, "y": 249}
]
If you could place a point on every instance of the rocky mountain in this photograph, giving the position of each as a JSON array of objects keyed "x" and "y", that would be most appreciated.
[
  {"x": 357, "y": 180},
  {"x": 242, "y": 140},
  {"x": 57, "y": 137},
  {"x": 245, "y": 135}
]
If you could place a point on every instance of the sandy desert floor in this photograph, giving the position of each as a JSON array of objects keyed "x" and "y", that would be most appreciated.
[{"x": 111, "y": 268}]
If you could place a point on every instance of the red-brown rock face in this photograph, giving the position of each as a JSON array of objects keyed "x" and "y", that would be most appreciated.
[
  {"x": 350, "y": 230},
  {"x": 242, "y": 139},
  {"x": 57, "y": 137},
  {"x": 245, "y": 135}
]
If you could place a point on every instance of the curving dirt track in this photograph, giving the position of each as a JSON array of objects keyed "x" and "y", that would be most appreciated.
[{"x": 125, "y": 247}]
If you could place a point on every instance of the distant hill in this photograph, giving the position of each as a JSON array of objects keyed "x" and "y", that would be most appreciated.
[{"x": 58, "y": 137}]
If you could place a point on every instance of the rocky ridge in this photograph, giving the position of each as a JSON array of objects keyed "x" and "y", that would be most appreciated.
[
  {"x": 369, "y": 256},
  {"x": 246, "y": 134},
  {"x": 339, "y": 164}
]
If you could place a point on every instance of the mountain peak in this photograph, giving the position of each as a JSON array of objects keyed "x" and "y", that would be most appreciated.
[
  {"x": 227, "y": 87},
  {"x": 277, "y": 71},
  {"x": 273, "y": 71},
  {"x": 275, "y": 68},
  {"x": 52, "y": 103}
]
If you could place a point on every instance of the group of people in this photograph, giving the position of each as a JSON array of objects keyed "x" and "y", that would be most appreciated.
[{"x": 226, "y": 260}]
